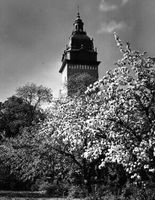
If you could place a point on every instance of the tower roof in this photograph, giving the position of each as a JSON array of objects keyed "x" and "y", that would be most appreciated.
[
  {"x": 79, "y": 38},
  {"x": 80, "y": 48}
]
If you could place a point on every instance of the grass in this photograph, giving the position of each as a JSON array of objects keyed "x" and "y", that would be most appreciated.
[
  {"x": 24, "y": 195},
  {"x": 27, "y": 198}
]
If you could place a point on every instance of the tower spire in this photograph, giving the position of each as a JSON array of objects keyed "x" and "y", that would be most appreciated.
[{"x": 78, "y": 24}]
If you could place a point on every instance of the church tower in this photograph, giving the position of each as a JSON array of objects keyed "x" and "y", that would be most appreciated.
[{"x": 80, "y": 56}]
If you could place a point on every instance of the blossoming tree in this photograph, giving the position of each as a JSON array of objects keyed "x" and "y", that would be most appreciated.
[
  {"x": 126, "y": 119},
  {"x": 58, "y": 144}
]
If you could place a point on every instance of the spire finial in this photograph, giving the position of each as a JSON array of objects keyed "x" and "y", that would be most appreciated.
[{"x": 78, "y": 12}]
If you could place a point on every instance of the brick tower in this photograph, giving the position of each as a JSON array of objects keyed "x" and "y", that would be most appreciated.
[{"x": 80, "y": 56}]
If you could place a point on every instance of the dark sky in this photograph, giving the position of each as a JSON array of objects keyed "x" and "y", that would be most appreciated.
[{"x": 34, "y": 33}]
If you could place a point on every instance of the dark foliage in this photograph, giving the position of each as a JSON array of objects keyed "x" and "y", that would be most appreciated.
[{"x": 15, "y": 114}]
